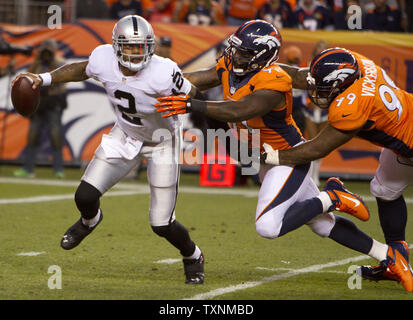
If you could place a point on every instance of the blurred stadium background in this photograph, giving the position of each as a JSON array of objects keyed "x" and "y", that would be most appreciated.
[
  {"x": 89, "y": 114},
  {"x": 195, "y": 41}
]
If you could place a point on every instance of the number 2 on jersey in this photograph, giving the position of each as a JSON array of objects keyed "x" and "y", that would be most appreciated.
[{"x": 126, "y": 112}]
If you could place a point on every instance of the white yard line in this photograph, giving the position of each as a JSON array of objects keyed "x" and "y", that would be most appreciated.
[
  {"x": 30, "y": 254},
  {"x": 59, "y": 197},
  {"x": 292, "y": 269},
  {"x": 276, "y": 277},
  {"x": 169, "y": 261},
  {"x": 44, "y": 182},
  {"x": 135, "y": 188}
]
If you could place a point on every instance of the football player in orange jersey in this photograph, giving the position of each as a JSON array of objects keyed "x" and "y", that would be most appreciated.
[
  {"x": 258, "y": 96},
  {"x": 363, "y": 101}
]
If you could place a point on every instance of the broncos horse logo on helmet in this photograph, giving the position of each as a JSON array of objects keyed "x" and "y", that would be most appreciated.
[
  {"x": 331, "y": 72},
  {"x": 255, "y": 45}
]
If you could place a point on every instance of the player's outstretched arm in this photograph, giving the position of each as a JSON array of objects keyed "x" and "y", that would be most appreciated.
[
  {"x": 254, "y": 105},
  {"x": 251, "y": 106},
  {"x": 326, "y": 141},
  {"x": 204, "y": 79},
  {"x": 69, "y": 72},
  {"x": 298, "y": 75}
]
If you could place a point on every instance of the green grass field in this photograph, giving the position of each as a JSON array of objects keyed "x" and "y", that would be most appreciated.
[{"x": 120, "y": 259}]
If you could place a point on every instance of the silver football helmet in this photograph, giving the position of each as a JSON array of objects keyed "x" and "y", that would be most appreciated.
[{"x": 133, "y": 30}]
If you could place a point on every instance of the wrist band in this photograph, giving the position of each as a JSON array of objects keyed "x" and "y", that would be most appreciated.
[
  {"x": 275, "y": 158},
  {"x": 46, "y": 79},
  {"x": 198, "y": 106},
  {"x": 271, "y": 158}
]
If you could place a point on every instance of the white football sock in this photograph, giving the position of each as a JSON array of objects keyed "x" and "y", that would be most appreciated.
[
  {"x": 325, "y": 200},
  {"x": 195, "y": 255},
  {"x": 92, "y": 222},
  {"x": 378, "y": 250}
]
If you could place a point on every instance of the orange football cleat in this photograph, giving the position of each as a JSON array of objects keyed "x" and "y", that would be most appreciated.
[
  {"x": 346, "y": 201},
  {"x": 398, "y": 263}
]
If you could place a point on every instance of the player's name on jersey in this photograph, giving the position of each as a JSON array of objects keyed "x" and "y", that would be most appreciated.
[{"x": 369, "y": 79}]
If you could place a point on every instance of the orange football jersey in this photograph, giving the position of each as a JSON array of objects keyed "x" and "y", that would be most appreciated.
[
  {"x": 277, "y": 127},
  {"x": 378, "y": 107}
]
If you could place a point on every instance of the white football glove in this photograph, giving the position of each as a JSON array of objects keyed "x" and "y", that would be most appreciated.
[{"x": 270, "y": 156}]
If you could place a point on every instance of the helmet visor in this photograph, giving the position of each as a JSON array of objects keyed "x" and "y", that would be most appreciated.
[
  {"x": 134, "y": 55},
  {"x": 133, "y": 52}
]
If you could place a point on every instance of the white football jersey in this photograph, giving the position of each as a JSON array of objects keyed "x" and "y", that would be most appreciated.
[{"x": 133, "y": 97}]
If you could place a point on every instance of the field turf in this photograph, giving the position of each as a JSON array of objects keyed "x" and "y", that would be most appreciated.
[{"x": 124, "y": 259}]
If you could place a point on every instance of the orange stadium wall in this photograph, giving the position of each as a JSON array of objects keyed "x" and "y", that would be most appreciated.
[{"x": 89, "y": 113}]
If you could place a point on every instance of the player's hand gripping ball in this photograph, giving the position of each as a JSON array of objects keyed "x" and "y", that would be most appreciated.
[{"x": 24, "y": 97}]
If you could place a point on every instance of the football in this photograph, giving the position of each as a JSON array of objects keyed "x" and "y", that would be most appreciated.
[{"x": 25, "y": 99}]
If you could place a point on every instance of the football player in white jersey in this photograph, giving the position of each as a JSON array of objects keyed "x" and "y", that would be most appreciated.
[{"x": 133, "y": 77}]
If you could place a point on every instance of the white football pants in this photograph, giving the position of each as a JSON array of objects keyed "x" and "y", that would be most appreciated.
[
  {"x": 393, "y": 176},
  {"x": 281, "y": 187},
  {"x": 163, "y": 175}
]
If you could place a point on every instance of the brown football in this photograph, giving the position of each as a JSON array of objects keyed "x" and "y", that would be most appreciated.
[{"x": 25, "y": 99}]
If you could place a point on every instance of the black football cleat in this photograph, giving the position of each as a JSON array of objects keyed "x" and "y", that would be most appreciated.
[
  {"x": 376, "y": 273},
  {"x": 194, "y": 270},
  {"x": 76, "y": 233}
]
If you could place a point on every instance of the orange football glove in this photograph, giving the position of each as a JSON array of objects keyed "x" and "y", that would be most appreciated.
[{"x": 173, "y": 105}]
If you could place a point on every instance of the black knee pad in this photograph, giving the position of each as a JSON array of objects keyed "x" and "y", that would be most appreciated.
[
  {"x": 164, "y": 231},
  {"x": 87, "y": 200}
]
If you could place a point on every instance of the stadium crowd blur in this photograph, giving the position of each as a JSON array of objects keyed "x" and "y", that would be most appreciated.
[{"x": 379, "y": 15}]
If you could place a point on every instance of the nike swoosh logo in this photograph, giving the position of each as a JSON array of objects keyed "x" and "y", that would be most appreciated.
[
  {"x": 356, "y": 202},
  {"x": 346, "y": 115},
  {"x": 405, "y": 267}
]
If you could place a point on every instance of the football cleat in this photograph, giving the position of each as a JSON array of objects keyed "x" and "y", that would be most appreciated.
[
  {"x": 194, "y": 270},
  {"x": 398, "y": 263},
  {"x": 345, "y": 201},
  {"x": 76, "y": 233},
  {"x": 376, "y": 273}
]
